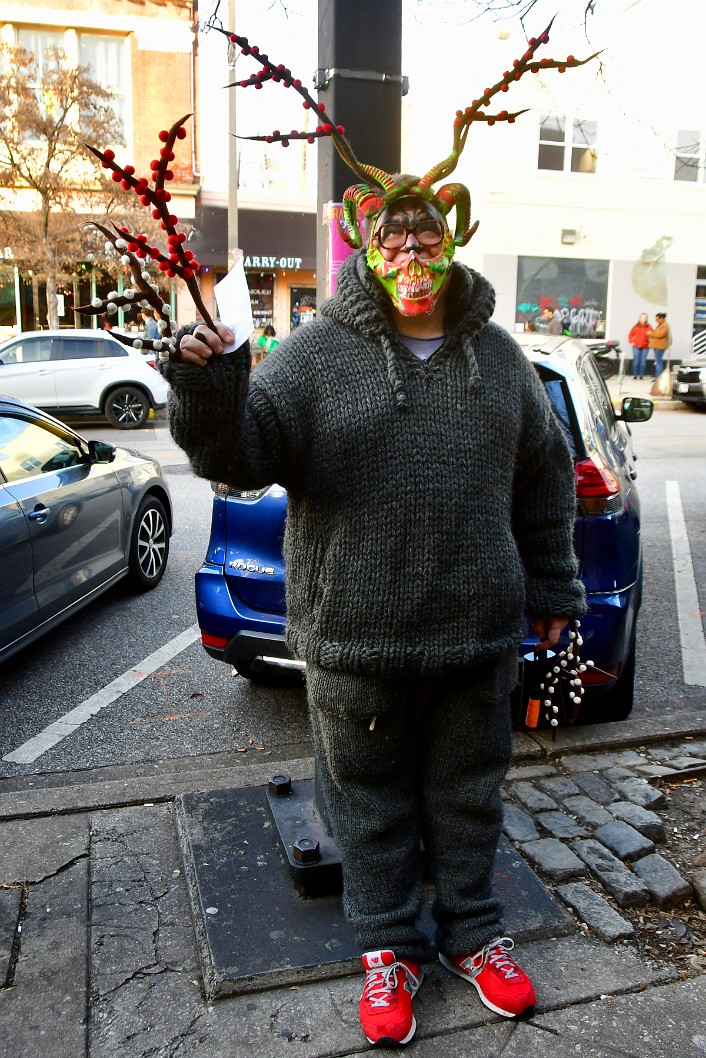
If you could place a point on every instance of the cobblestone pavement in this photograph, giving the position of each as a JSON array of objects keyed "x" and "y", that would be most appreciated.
[
  {"x": 620, "y": 836},
  {"x": 99, "y": 956}
]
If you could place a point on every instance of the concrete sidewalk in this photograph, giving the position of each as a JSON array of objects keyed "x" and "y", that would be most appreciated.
[
  {"x": 106, "y": 960},
  {"x": 628, "y": 387}
]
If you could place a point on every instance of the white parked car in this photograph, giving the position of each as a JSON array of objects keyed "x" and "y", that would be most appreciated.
[{"x": 82, "y": 372}]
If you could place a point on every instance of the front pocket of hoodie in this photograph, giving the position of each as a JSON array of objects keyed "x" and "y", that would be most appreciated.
[{"x": 350, "y": 696}]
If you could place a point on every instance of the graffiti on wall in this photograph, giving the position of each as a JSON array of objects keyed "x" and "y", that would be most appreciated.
[{"x": 577, "y": 289}]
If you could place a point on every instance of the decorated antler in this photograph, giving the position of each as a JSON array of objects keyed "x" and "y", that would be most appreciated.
[
  {"x": 134, "y": 249},
  {"x": 327, "y": 127},
  {"x": 370, "y": 195}
]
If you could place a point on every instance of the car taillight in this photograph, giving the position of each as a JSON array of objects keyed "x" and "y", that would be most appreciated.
[
  {"x": 221, "y": 489},
  {"x": 152, "y": 364},
  {"x": 597, "y": 487},
  {"x": 598, "y": 675},
  {"x": 213, "y": 641}
]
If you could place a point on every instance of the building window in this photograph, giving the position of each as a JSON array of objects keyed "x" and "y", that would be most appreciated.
[
  {"x": 47, "y": 48},
  {"x": 689, "y": 157},
  {"x": 578, "y": 289},
  {"x": 261, "y": 297},
  {"x": 567, "y": 145},
  {"x": 45, "y": 45},
  {"x": 107, "y": 61}
]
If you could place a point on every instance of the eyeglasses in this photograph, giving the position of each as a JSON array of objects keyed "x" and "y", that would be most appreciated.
[{"x": 394, "y": 234}]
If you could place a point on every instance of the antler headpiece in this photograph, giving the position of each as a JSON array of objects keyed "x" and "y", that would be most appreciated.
[
  {"x": 375, "y": 192},
  {"x": 377, "y": 189}
]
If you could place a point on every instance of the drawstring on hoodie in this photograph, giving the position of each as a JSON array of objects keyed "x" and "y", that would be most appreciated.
[
  {"x": 394, "y": 370},
  {"x": 394, "y": 374}
]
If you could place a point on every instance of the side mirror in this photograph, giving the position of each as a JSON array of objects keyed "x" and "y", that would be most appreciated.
[
  {"x": 101, "y": 451},
  {"x": 636, "y": 409}
]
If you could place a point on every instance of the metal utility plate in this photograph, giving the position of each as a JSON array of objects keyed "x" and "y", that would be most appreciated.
[{"x": 256, "y": 929}]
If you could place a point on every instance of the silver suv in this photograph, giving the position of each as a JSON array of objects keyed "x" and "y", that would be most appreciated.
[{"x": 82, "y": 372}]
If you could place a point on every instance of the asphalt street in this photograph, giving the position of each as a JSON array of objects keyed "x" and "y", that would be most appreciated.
[{"x": 191, "y": 706}]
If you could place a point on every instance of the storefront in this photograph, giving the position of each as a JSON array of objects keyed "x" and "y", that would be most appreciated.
[
  {"x": 279, "y": 256},
  {"x": 576, "y": 288}
]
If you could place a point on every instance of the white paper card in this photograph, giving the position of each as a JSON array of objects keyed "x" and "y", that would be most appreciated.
[{"x": 234, "y": 308}]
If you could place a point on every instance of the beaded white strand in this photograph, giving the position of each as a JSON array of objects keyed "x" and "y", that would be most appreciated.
[{"x": 567, "y": 665}]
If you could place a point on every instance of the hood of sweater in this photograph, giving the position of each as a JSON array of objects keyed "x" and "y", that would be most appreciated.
[{"x": 361, "y": 305}]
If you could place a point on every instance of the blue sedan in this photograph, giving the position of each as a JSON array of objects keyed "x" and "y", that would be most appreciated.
[{"x": 240, "y": 587}]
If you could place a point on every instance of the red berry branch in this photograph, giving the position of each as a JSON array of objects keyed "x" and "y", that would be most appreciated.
[
  {"x": 134, "y": 249},
  {"x": 280, "y": 74}
]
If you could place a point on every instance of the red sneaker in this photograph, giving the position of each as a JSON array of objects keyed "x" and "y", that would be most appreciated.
[
  {"x": 386, "y": 1004},
  {"x": 499, "y": 981}
]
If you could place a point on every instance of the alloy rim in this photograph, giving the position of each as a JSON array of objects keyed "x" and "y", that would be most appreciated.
[
  {"x": 127, "y": 408},
  {"x": 151, "y": 543}
]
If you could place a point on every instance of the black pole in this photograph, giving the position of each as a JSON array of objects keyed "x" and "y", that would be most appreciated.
[{"x": 360, "y": 81}]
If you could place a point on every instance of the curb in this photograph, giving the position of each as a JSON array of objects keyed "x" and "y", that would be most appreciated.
[
  {"x": 621, "y": 735},
  {"x": 161, "y": 781}
]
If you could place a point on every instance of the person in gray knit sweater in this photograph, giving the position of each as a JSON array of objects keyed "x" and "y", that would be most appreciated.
[{"x": 431, "y": 508}]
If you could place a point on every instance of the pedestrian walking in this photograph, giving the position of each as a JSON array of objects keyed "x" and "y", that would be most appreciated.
[
  {"x": 431, "y": 515},
  {"x": 639, "y": 339}
]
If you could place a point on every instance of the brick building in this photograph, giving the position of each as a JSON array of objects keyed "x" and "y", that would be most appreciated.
[{"x": 144, "y": 52}]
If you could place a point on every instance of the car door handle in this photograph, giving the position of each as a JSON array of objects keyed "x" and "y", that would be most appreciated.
[{"x": 39, "y": 514}]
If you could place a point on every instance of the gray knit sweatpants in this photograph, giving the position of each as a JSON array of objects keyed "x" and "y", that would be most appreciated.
[{"x": 430, "y": 769}]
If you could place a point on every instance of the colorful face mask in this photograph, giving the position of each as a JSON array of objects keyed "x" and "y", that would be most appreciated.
[{"x": 414, "y": 285}]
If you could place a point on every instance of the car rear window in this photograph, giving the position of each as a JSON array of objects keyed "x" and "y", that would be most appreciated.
[
  {"x": 599, "y": 395},
  {"x": 560, "y": 399}
]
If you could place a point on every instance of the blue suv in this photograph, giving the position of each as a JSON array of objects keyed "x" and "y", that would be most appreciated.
[{"x": 240, "y": 586}]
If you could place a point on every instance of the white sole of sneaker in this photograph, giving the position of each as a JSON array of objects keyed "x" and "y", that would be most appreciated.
[{"x": 486, "y": 1002}]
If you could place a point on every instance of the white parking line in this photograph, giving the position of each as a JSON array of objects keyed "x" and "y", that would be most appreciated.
[
  {"x": 691, "y": 630},
  {"x": 28, "y": 752}
]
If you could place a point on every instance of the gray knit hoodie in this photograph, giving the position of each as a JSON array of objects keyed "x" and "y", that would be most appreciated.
[{"x": 431, "y": 503}]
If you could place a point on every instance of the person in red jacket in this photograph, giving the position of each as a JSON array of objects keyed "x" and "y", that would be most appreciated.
[{"x": 639, "y": 339}]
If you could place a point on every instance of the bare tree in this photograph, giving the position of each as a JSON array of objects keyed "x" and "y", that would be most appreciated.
[{"x": 46, "y": 115}]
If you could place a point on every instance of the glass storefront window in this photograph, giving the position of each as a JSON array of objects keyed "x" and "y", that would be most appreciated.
[
  {"x": 261, "y": 298},
  {"x": 302, "y": 305},
  {"x": 8, "y": 309},
  {"x": 577, "y": 288}
]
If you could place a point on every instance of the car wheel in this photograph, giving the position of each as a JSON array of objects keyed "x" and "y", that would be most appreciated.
[
  {"x": 149, "y": 545},
  {"x": 127, "y": 407},
  {"x": 615, "y": 704}
]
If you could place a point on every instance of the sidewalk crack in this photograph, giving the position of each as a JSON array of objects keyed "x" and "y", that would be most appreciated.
[
  {"x": 610, "y": 1050},
  {"x": 16, "y": 945}
]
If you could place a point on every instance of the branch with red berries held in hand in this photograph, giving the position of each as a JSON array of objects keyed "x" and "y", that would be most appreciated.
[{"x": 135, "y": 249}]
